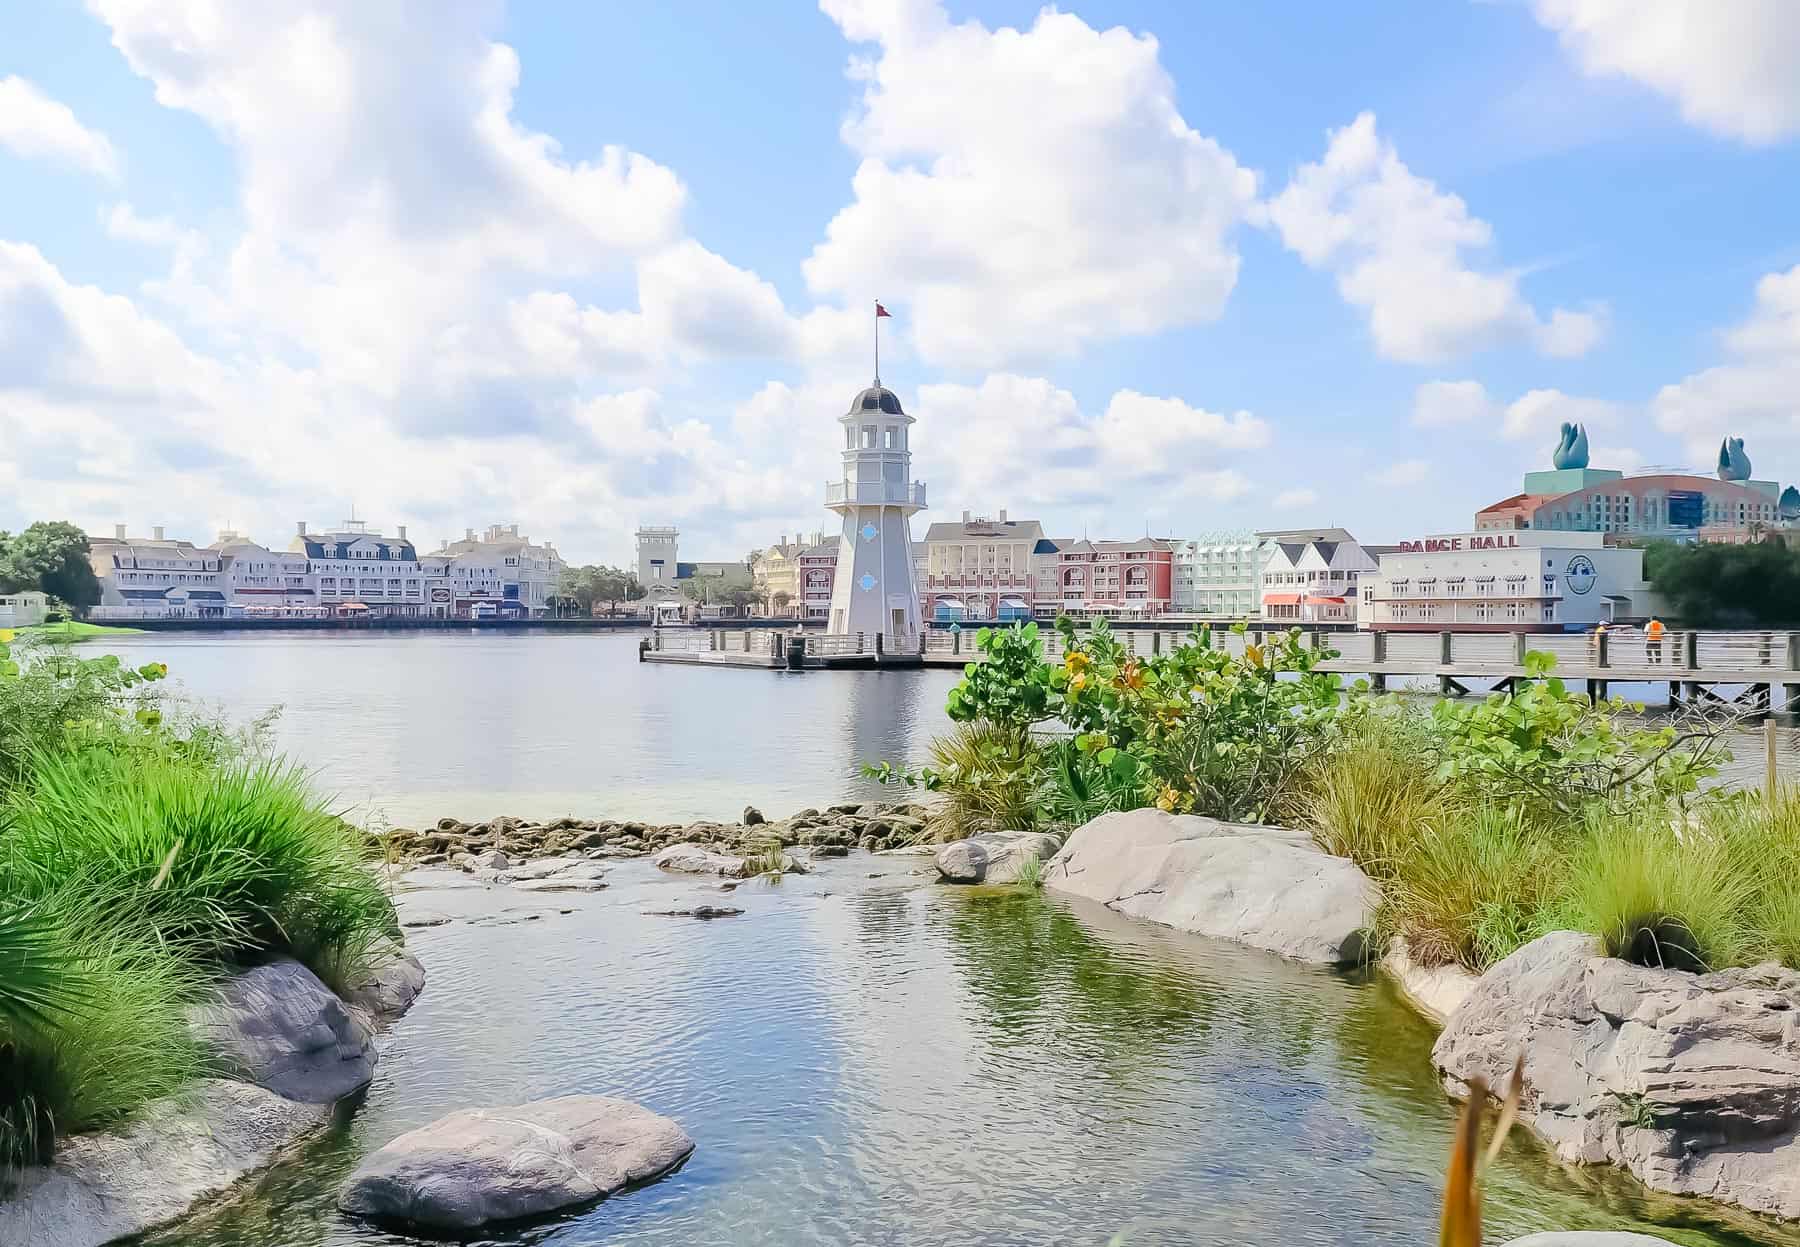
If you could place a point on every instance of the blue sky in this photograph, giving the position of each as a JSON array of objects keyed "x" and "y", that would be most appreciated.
[{"x": 1152, "y": 265}]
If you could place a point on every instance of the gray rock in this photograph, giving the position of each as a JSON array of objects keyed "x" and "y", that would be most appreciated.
[
  {"x": 388, "y": 987},
  {"x": 702, "y": 910},
  {"x": 1262, "y": 886},
  {"x": 693, "y": 859},
  {"x": 558, "y": 883},
  {"x": 493, "y": 859},
  {"x": 1691, "y": 1082},
  {"x": 752, "y": 816},
  {"x": 994, "y": 856},
  {"x": 1587, "y": 1238},
  {"x": 486, "y": 1165},
  {"x": 830, "y": 850},
  {"x": 279, "y": 1027},
  {"x": 180, "y": 1153}
]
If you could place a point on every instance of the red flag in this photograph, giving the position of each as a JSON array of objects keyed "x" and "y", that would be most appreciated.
[{"x": 881, "y": 311}]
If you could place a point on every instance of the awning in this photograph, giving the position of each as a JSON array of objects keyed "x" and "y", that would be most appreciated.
[
  {"x": 1313, "y": 597},
  {"x": 211, "y": 595},
  {"x": 1014, "y": 602},
  {"x": 139, "y": 595},
  {"x": 1281, "y": 599}
]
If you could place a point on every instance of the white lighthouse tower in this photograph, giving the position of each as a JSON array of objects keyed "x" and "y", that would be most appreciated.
[{"x": 874, "y": 592}]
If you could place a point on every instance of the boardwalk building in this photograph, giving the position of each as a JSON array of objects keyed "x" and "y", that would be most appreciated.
[{"x": 981, "y": 569}]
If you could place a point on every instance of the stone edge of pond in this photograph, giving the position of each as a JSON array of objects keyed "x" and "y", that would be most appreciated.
[{"x": 188, "y": 1150}]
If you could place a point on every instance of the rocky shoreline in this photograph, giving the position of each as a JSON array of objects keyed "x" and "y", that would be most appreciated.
[{"x": 833, "y": 831}]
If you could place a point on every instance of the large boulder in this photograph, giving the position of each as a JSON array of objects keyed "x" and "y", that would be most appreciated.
[
  {"x": 1691, "y": 1082},
  {"x": 279, "y": 1027},
  {"x": 179, "y": 1153},
  {"x": 1262, "y": 886},
  {"x": 487, "y": 1165},
  {"x": 388, "y": 985},
  {"x": 694, "y": 859},
  {"x": 994, "y": 856},
  {"x": 1587, "y": 1238}
]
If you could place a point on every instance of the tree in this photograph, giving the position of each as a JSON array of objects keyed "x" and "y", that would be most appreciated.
[
  {"x": 781, "y": 599},
  {"x": 51, "y": 557},
  {"x": 740, "y": 596},
  {"x": 1736, "y": 586},
  {"x": 585, "y": 586}
]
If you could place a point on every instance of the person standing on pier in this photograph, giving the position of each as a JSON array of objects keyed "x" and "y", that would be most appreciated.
[{"x": 1653, "y": 639}]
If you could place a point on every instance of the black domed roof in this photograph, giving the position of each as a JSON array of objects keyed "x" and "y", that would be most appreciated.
[{"x": 877, "y": 398}]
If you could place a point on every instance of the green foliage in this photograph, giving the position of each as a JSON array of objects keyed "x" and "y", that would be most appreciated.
[
  {"x": 53, "y": 558},
  {"x": 1709, "y": 585},
  {"x": 1011, "y": 688},
  {"x": 36, "y": 985},
  {"x": 50, "y": 699},
  {"x": 221, "y": 861},
  {"x": 584, "y": 587},
  {"x": 1376, "y": 791},
  {"x": 1543, "y": 746},
  {"x": 1031, "y": 872}
]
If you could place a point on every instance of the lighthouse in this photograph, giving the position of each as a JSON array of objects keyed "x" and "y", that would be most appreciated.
[{"x": 876, "y": 497}]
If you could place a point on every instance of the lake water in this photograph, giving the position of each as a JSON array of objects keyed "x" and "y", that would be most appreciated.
[{"x": 861, "y": 1060}]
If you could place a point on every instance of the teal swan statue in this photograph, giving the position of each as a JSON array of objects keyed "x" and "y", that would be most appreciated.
[
  {"x": 1572, "y": 450},
  {"x": 1734, "y": 464}
]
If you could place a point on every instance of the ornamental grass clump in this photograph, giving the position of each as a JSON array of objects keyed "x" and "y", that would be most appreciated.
[
  {"x": 93, "y": 1025},
  {"x": 224, "y": 862}
]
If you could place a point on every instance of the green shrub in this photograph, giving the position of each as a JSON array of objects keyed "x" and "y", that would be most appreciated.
[
  {"x": 50, "y": 700},
  {"x": 106, "y": 1037},
  {"x": 221, "y": 862},
  {"x": 1374, "y": 793},
  {"x": 986, "y": 780}
]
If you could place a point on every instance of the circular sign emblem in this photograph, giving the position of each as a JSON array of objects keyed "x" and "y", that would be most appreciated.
[
  {"x": 869, "y": 532},
  {"x": 440, "y": 595},
  {"x": 1581, "y": 574},
  {"x": 867, "y": 582}
]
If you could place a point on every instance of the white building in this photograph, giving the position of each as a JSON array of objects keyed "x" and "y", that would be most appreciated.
[
  {"x": 1219, "y": 574},
  {"x": 1526, "y": 581},
  {"x": 1312, "y": 575},
  {"x": 264, "y": 581},
  {"x": 875, "y": 592},
  {"x": 155, "y": 578},
  {"x": 23, "y": 610},
  {"x": 359, "y": 570},
  {"x": 657, "y": 568},
  {"x": 499, "y": 566}
]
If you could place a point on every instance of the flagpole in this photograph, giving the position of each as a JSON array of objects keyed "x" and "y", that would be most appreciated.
[{"x": 878, "y": 344}]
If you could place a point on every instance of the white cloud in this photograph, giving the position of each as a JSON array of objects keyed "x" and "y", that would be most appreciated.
[
  {"x": 1398, "y": 246},
  {"x": 1294, "y": 499},
  {"x": 1754, "y": 391},
  {"x": 1404, "y": 472},
  {"x": 1440, "y": 403},
  {"x": 967, "y": 446},
  {"x": 35, "y": 126},
  {"x": 1541, "y": 413},
  {"x": 1024, "y": 192},
  {"x": 1728, "y": 64}
]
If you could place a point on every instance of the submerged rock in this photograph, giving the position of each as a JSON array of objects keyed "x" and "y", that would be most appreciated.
[
  {"x": 179, "y": 1152},
  {"x": 279, "y": 1027},
  {"x": 480, "y": 1166},
  {"x": 694, "y": 859},
  {"x": 994, "y": 856},
  {"x": 702, "y": 910},
  {"x": 1263, "y": 886},
  {"x": 387, "y": 988},
  {"x": 1587, "y": 1238},
  {"x": 1691, "y": 1082}
]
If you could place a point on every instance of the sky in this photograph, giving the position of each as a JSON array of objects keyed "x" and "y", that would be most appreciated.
[{"x": 1153, "y": 265}]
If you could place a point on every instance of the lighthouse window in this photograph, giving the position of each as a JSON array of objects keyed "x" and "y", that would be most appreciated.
[
  {"x": 888, "y": 439},
  {"x": 868, "y": 437},
  {"x": 849, "y": 437}
]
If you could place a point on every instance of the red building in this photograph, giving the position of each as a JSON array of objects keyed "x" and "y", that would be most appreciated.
[{"x": 1114, "y": 579}]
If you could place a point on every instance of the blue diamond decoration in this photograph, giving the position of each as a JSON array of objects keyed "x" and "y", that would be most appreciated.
[
  {"x": 869, "y": 532},
  {"x": 867, "y": 582}
]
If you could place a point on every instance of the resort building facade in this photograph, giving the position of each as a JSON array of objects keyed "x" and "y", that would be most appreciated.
[
  {"x": 982, "y": 569},
  {"x": 1219, "y": 574},
  {"x": 1311, "y": 576},
  {"x": 1115, "y": 579}
]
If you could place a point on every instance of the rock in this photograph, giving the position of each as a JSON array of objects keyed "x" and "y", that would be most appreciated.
[
  {"x": 279, "y": 1027},
  {"x": 1262, "y": 886},
  {"x": 1586, "y": 1238},
  {"x": 702, "y": 910},
  {"x": 1435, "y": 991},
  {"x": 1691, "y": 1082},
  {"x": 180, "y": 1153},
  {"x": 425, "y": 920},
  {"x": 830, "y": 850},
  {"x": 493, "y": 859},
  {"x": 568, "y": 868},
  {"x": 752, "y": 816},
  {"x": 388, "y": 987},
  {"x": 692, "y": 859},
  {"x": 481, "y": 1166},
  {"x": 994, "y": 856},
  {"x": 558, "y": 883},
  {"x": 850, "y": 807}
]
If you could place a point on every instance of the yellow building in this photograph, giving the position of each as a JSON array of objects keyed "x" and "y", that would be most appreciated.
[{"x": 777, "y": 574}]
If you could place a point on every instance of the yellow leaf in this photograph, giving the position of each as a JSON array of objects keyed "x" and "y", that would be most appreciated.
[
  {"x": 6, "y": 636},
  {"x": 1253, "y": 655}
]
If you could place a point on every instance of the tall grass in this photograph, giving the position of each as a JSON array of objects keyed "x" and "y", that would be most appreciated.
[
  {"x": 1373, "y": 794},
  {"x": 222, "y": 861},
  {"x": 106, "y": 1036}
]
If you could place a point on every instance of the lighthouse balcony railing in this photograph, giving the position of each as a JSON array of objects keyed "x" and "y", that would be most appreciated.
[{"x": 875, "y": 493}]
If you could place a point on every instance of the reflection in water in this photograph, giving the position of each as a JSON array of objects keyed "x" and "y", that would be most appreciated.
[{"x": 881, "y": 1061}]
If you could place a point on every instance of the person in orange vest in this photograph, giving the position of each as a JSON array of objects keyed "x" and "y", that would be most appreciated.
[{"x": 1653, "y": 639}]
